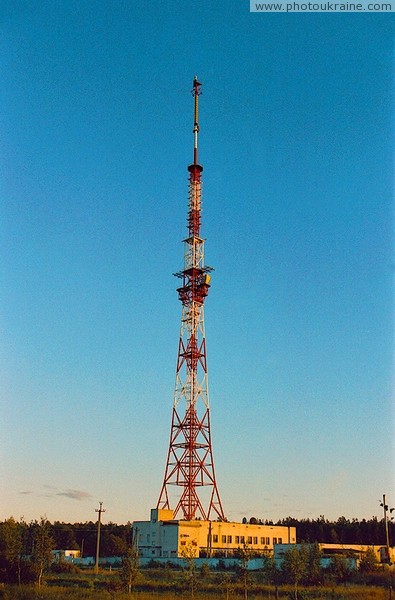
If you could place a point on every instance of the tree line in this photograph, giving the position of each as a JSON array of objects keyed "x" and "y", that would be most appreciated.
[
  {"x": 342, "y": 531},
  {"x": 115, "y": 539}
]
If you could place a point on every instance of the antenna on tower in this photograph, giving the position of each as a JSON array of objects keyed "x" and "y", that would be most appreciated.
[{"x": 196, "y": 91}]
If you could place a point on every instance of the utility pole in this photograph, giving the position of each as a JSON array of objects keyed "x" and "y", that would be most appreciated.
[
  {"x": 135, "y": 541},
  {"x": 99, "y": 510},
  {"x": 209, "y": 541},
  {"x": 387, "y": 537}
]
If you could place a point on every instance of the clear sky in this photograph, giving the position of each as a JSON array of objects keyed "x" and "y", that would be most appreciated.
[{"x": 296, "y": 142}]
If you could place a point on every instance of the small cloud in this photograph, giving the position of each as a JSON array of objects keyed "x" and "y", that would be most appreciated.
[
  {"x": 75, "y": 494},
  {"x": 26, "y": 492}
]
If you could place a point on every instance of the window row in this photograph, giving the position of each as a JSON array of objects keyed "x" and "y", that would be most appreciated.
[{"x": 249, "y": 540}]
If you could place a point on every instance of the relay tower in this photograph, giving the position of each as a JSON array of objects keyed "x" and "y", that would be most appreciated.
[{"x": 190, "y": 464}]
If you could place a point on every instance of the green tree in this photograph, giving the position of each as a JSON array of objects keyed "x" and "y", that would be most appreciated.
[
  {"x": 313, "y": 572},
  {"x": 205, "y": 571},
  {"x": 333, "y": 537},
  {"x": 114, "y": 539},
  {"x": 339, "y": 568},
  {"x": 368, "y": 563},
  {"x": 244, "y": 554},
  {"x": 271, "y": 571},
  {"x": 11, "y": 547},
  {"x": 130, "y": 568},
  {"x": 294, "y": 566},
  {"x": 43, "y": 543},
  {"x": 64, "y": 536},
  {"x": 85, "y": 535},
  {"x": 189, "y": 554},
  {"x": 117, "y": 546}
]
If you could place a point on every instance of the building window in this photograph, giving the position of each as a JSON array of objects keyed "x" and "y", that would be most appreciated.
[
  {"x": 274, "y": 541},
  {"x": 224, "y": 539},
  {"x": 229, "y": 539},
  {"x": 280, "y": 540},
  {"x": 242, "y": 539},
  {"x": 215, "y": 539},
  {"x": 267, "y": 541},
  {"x": 263, "y": 541},
  {"x": 255, "y": 540},
  {"x": 183, "y": 543},
  {"x": 237, "y": 538},
  {"x": 249, "y": 540}
]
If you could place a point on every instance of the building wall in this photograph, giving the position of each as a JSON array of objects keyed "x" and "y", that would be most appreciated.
[
  {"x": 164, "y": 537},
  {"x": 169, "y": 540}
]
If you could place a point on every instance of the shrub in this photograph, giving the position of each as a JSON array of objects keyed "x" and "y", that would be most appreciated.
[
  {"x": 64, "y": 567},
  {"x": 368, "y": 562}
]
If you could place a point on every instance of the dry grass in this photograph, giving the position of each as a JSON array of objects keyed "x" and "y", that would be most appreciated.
[
  {"x": 58, "y": 593},
  {"x": 172, "y": 585}
]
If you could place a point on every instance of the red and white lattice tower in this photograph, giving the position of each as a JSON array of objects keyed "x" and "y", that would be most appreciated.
[{"x": 190, "y": 464}]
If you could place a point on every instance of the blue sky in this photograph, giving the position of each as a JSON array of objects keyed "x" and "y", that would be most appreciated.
[{"x": 296, "y": 142}]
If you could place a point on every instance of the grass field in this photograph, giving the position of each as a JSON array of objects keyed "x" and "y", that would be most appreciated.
[
  {"x": 264, "y": 592},
  {"x": 203, "y": 584}
]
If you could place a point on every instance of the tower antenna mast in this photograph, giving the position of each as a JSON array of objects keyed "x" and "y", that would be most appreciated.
[{"x": 190, "y": 463}]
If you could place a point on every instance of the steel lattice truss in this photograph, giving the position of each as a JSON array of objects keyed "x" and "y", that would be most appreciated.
[{"x": 190, "y": 463}]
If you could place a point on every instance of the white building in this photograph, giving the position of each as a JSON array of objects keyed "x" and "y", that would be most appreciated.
[
  {"x": 165, "y": 537},
  {"x": 65, "y": 555}
]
